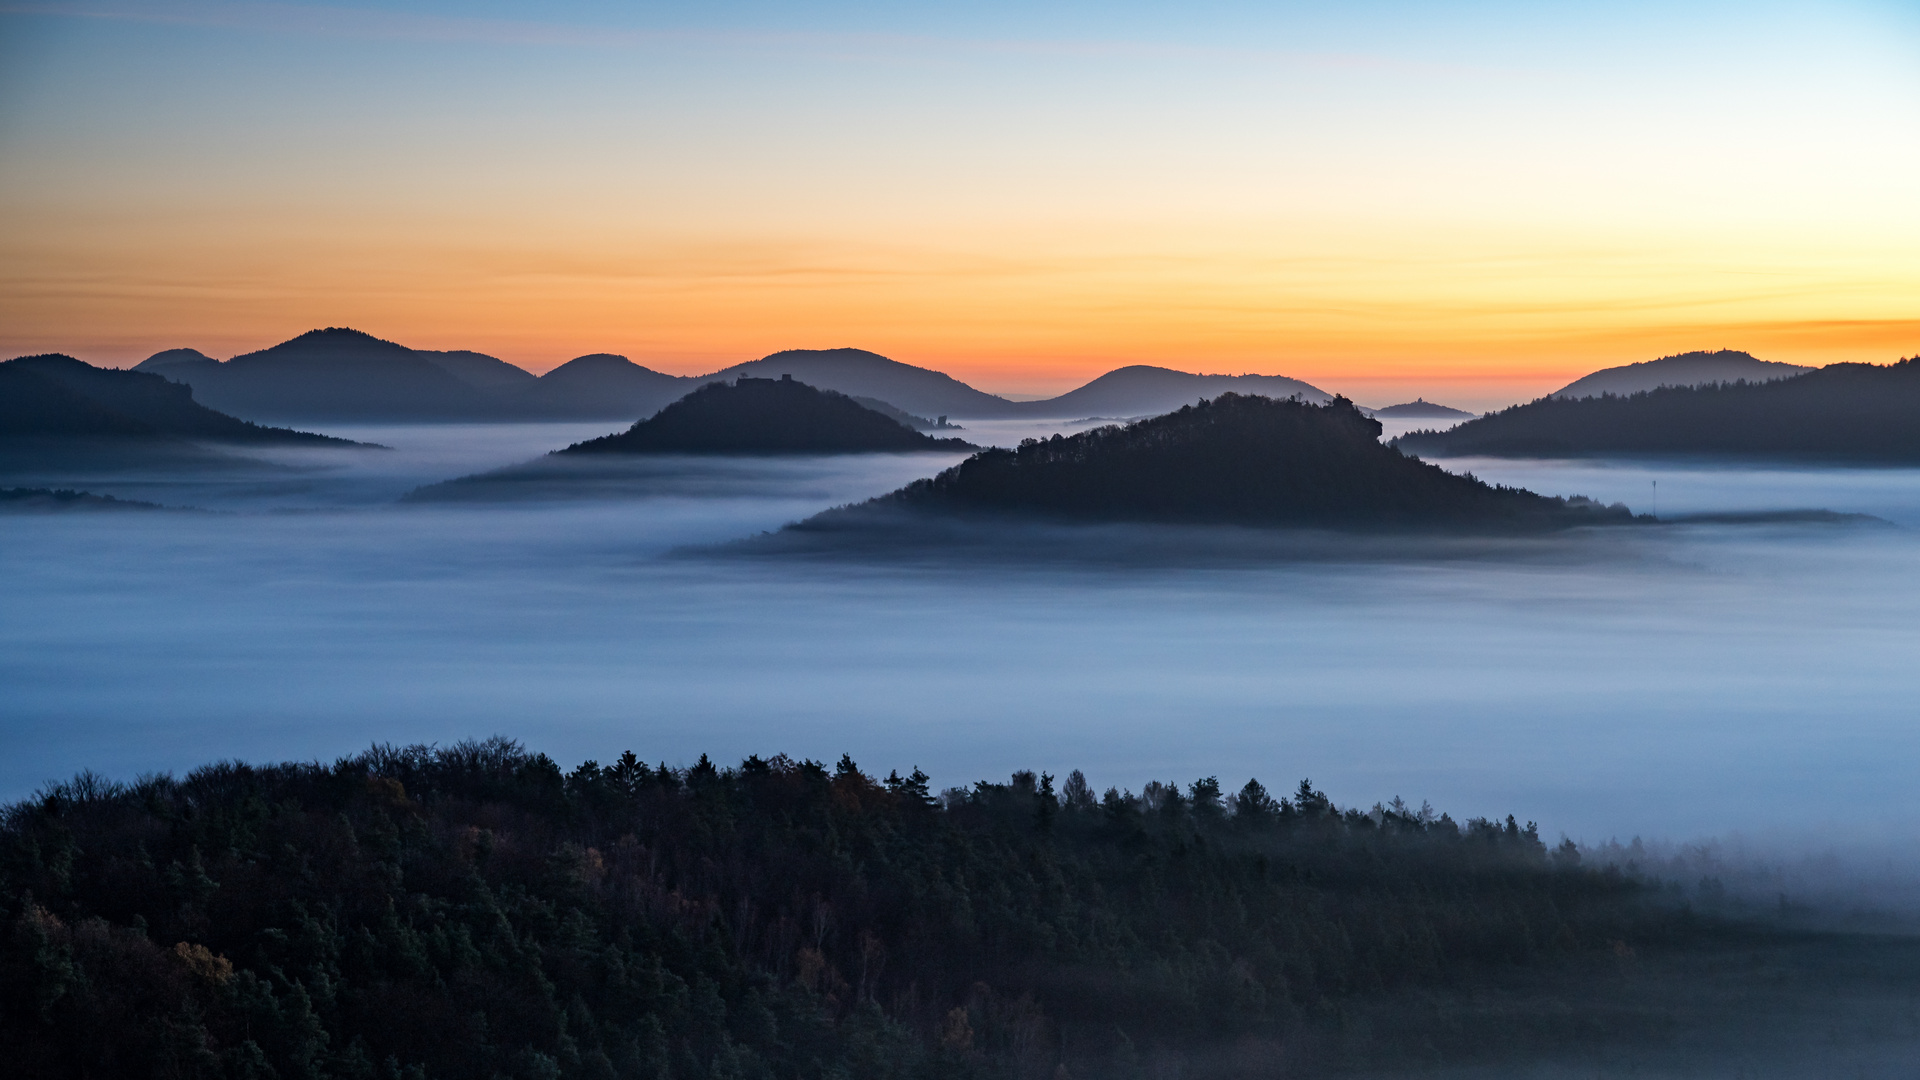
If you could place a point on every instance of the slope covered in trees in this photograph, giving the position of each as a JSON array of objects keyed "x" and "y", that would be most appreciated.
[
  {"x": 476, "y": 911},
  {"x": 765, "y": 416},
  {"x": 1235, "y": 460},
  {"x": 1842, "y": 412}
]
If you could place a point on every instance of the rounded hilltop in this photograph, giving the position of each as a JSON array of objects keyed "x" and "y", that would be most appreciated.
[
  {"x": 765, "y": 416},
  {"x": 1234, "y": 460}
]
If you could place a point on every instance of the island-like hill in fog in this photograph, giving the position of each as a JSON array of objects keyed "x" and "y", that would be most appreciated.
[
  {"x": 765, "y": 416},
  {"x": 1682, "y": 369},
  {"x": 1233, "y": 460},
  {"x": 1421, "y": 409},
  {"x": 1842, "y": 412},
  {"x": 57, "y": 396}
]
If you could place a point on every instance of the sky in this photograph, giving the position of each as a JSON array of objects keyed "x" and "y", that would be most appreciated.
[{"x": 1474, "y": 202}]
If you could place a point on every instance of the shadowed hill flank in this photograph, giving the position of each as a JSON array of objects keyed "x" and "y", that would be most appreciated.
[
  {"x": 57, "y": 396},
  {"x": 765, "y": 416},
  {"x": 1860, "y": 412},
  {"x": 1682, "y": 369},
  {"x": 1235, "y": 460}
]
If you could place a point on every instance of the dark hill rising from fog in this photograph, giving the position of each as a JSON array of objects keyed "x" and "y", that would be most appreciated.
[
  {"x": 56, "y": 396},
  {"x": 1681, "y": 369},
  {"x": 765, "y": 416},
  {"x": 1421, "y": 409},
  {"x": 1842, "y": 412},
  {"x": 1234, "y": 460}
]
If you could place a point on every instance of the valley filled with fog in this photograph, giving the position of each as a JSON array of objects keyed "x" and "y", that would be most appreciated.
[{"x": 1672, "y": 682}]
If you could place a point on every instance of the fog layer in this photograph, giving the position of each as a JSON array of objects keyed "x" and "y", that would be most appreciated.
[{"x": 1678, "y": 681}]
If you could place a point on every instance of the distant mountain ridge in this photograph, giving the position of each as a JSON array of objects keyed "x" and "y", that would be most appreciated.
[
  {"x": 859, "y": 373},
  {"x": 1142, "y": 389},
  {"x": 55, "y": 395},
  {"x": 1682, "y": 369},
  {"x": 344, "y": 375},
  {"x": 1860, "y": 412}
]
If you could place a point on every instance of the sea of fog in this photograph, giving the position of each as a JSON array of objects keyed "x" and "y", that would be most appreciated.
[{"x": 1684, "y": 681}]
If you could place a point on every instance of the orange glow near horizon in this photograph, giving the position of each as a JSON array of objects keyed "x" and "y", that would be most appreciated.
[
  {"x": 1479, "y": 328},
  {"x": 1475, "y": 215}
]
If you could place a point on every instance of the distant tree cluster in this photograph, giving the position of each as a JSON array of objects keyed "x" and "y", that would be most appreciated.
[
  {"x": 476, "y": 911},
  {"x": 1842, "y": 412},
  {"x": 1238, "y": 460}
]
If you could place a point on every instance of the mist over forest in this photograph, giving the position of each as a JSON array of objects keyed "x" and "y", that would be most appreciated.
[{"x": 1688, "y": 732}]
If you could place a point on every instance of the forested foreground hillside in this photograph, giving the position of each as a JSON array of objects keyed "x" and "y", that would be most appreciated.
[{"x": 476, "y": 911}]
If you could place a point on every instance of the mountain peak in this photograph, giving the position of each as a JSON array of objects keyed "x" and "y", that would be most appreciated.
[
  {"x": 1694, "y": 368},
  {"x": 766, "y": 416}
]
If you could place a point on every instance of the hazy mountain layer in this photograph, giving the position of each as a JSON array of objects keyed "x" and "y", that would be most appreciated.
[
  {"x": 859, "y": 373},
  {"x": 1844, "y": 411},
  {"x": 57, "y": 396},
  {"x": 345, "y": 375},
  {"x": 1683, "y": 369},
  {"x": 602, "y": 386},
  {"x": 1234, "y": 460},
  {"x": 1142, "y": 390},
  {"x": 765, "y": 416},
  {"x": 479, "y": 370}
]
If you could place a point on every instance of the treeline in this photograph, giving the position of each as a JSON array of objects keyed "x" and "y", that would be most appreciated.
[
  {"x": 1234, "y": 460},
  {"x": 476, "y": 911},
  {"x": 1842, "y": 412}
]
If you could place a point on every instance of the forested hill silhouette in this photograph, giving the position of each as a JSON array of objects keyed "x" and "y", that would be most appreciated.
[
  {"x": 859, "y": 373},
  {"x": 765, "y": 416},
  {"x": 53, "y": 396},
  {"x": 1234, "y": 460},
  {"x": 1682, "y": 369},
  {"x": 343, "y": 375},
  {"x": 474, "y": 910},
  {"x": 1857, "y": 412}
]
